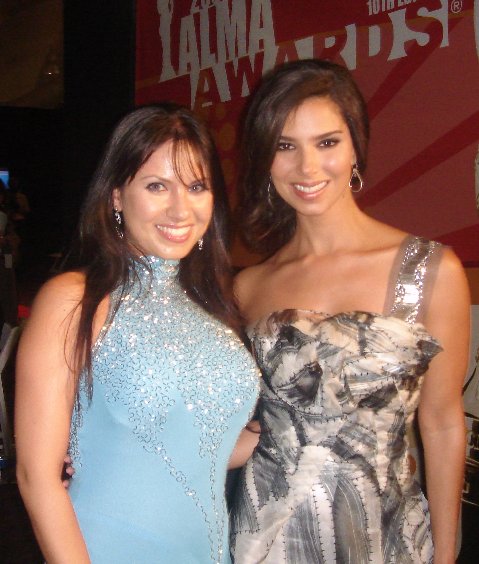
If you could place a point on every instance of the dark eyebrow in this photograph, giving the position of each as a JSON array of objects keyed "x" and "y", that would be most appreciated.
[
  {"x": 160, "y": 180},
  {"x": 152, "y": 177},
  {"x": 318, "y": 137}
]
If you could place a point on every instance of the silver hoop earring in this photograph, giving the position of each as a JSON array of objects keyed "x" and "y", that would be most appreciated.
[
  {"x": 355, "y": 179},
  {"x": 200, "y": 244},
  {"x": 119, "y": 222}
]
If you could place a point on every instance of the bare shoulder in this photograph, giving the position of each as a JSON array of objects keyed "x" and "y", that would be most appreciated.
[
  {"x": 248, "y": 282},
  {"x": 451, "y": 277},
  {"x": 45, "y": 343},
  {"x": 378, "y": 236},
  {"x": 54, "y": 309},
  {"x": 450, "y": 263},
  {"x": 60, "y": 295},
  {"x": 249, "y": 276},
  {"x": 450, "y": 298},
  {"x": 70, "y": 283}
]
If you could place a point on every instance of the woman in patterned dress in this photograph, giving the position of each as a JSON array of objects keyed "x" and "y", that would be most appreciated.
[{"x": 354, "y": 325}]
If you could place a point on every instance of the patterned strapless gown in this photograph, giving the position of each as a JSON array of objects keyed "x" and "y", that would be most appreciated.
[{"x": 330, "y": 481}]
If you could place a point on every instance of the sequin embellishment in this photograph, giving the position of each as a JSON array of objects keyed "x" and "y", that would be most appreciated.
[
  {"x": 410, "y": 286},
  {"x": 161, "y": 349}
]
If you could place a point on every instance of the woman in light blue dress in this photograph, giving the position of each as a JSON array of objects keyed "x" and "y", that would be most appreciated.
[{"x": 134, "y": 361}]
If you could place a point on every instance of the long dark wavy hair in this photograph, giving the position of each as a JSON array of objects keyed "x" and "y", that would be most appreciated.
[
  {"x": 267, "y": 221},
  {"x": 110, "y": 262}
]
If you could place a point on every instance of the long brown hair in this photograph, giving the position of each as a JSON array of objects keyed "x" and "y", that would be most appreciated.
[
  {"x": 110, "y": 262},
  {"x": 267, "y": 221}
]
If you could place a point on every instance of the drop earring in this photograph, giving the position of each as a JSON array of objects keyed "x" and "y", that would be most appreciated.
[
  {"x": 200, "y": 244},
  {"x": 119, "y": 222},
  {"x": 269, "y": 192},
  {"x": 355, "y": 179}
]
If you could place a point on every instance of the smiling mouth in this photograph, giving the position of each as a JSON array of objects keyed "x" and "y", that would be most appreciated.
[
  {"x": 310, "y": 189},
  {"x": 179, "y": 234}
]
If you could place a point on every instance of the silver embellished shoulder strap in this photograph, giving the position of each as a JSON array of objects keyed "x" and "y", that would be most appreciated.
[{"x": 409, "y": 289}]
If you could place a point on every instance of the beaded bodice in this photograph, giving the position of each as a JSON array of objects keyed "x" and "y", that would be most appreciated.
[
  {"x": 158, "y": 325},
  {"x": 172, "y": 374}
]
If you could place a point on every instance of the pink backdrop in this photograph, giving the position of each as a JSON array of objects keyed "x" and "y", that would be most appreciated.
[{"x": 415, "y": 61}]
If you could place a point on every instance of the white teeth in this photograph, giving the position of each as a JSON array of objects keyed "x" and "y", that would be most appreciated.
[
  {"x": 309, "y": 189},
  {"x": 174, "y": 231}
]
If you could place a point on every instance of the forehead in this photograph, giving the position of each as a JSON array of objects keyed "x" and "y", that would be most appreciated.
[
  {"x": 314, "y": 113},
  {"x": 176, "y": 157}
]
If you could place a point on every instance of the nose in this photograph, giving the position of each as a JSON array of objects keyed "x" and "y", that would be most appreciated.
[
  {"x": 308, "y": 161},
  {"x": 178, "y": 208}
]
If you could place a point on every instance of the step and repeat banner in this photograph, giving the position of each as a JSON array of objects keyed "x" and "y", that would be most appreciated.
[{"x": 416, "y": 62}]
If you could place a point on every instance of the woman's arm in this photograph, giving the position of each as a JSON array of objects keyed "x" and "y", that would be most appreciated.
[
  {"x": 249, "y": 436},
  {"x": 45, "y": 390},
  {"x": 245, "y": 445},
  {"x": 441, "y": 415}
]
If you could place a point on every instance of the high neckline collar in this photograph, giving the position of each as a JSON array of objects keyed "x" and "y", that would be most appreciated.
[{"x": 159, "y": 265}]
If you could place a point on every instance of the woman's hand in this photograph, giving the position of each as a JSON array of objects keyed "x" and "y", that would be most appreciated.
[
  {"x": 68, "y": 471},
  {"x": 245, "y": 445}
]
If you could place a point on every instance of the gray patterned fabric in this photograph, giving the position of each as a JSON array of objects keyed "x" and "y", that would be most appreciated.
[{"x": 330, "y": 481}]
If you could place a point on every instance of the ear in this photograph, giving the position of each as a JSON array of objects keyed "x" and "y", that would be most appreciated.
[{"x": 116, "y": 199}]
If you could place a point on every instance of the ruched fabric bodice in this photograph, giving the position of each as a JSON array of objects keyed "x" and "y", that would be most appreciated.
[
  {"x": 172, "y": 389},
  {"x": 330, "y": 481}
]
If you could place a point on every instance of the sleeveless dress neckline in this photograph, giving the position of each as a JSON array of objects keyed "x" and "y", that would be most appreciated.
[
  {"x": 329, "y": 481},
  {"x": 408, "y": 245},
  {"x": 320, "y": 314}
]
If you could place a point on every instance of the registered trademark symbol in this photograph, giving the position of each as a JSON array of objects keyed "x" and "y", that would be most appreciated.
[{"x": 456, "y": 6}]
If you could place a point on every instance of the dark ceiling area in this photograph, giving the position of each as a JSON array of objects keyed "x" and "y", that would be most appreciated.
[
  {"x": 66, "y": 76},
  {"x": 31, "y": 53}
]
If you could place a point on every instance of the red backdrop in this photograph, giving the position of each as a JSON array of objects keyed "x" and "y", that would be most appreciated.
[{"x": 416, "y": 62}]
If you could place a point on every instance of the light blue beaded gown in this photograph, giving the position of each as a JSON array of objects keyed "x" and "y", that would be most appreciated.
[{"x": 172, "y": 389}]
